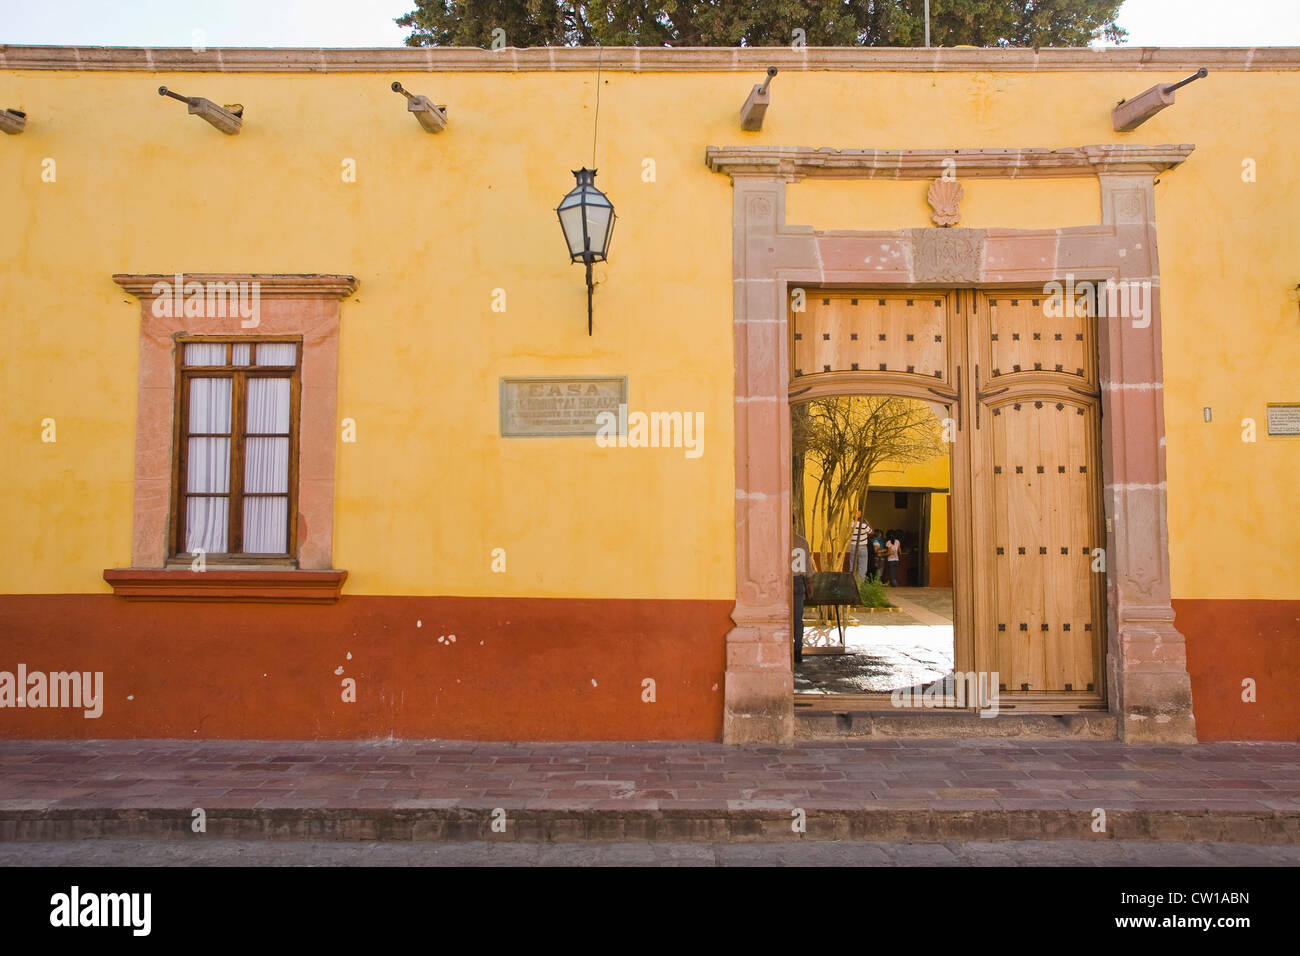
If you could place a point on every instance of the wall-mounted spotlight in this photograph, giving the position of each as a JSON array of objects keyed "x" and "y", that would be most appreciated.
[
  {"x": 12, "y": 121},
  {"x": 1131, "y": 113},
  {"x": 432, "y": 118},
  {"x": 228, "y": 118},
  {"x": 751, "y": 114}
]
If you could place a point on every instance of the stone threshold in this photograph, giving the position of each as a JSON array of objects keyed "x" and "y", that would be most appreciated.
[
  {"x": 826, "y": 721},
  {"x": 708, "y": 825}
]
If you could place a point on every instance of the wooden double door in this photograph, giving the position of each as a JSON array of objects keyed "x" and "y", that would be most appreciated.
[{"x": 1017, "y": 378}]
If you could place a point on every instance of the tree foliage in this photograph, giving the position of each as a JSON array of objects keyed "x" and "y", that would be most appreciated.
[{"x": 1031, "y": 23}]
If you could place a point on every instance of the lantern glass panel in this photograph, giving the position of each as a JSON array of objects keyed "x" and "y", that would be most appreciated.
[
  {"x": 571, "y": 222},
  {"x": 600, "y": 223}
]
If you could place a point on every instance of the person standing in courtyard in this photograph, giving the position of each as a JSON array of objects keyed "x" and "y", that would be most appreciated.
[
  {"x": 801, "y": 572},
  {"x": 860, "y": 547},
  {"x": 893, "y": 552},
  {"x": 878, "y": 554}
]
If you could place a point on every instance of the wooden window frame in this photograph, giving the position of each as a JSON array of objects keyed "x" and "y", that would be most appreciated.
[{"x": 239, "y": 374}]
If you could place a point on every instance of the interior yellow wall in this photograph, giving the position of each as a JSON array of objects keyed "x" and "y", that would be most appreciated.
[
  {"x": 435, "y": 223},
  {"x": 938, "y": 523},
  {"x": 935, "y": 473},
  {"x": 932, "y": 474}
]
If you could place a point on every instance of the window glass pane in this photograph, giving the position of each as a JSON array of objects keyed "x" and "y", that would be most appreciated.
[
  {"x": 266, "y": 528},
  {"x": 208, "y": 465},
  {"x": 268, "y": 406},
  {"x": 210, "y": 405},
  {"x": 276, "y": 353},
  {"x": 205, "y": 353},
  {"x": 266, "y": 465},
  {"x": 206, "y": 520},
  {"x": 240, "y": 353}
]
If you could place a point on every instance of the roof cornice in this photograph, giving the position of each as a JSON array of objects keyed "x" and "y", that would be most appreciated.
[{"x": 646, "y": 59}]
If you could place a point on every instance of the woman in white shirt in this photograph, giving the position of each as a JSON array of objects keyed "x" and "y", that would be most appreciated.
[{"x": 893, "y": 551}]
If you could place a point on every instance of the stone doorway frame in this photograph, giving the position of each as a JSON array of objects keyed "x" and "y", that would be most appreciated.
[{"x": 1148, "y": 687}]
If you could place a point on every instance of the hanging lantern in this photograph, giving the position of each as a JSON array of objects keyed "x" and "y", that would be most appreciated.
[{"x": 587, "y": 218}]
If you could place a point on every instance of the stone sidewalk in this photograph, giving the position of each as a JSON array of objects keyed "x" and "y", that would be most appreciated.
[
  {"x": 906, "y": 789},
  {"x": 1060, "y": 853}
]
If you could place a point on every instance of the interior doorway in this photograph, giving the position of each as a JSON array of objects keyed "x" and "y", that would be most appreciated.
[
  {"x": 1013, "y": 587},
  {"x": 920, "y": 516}
]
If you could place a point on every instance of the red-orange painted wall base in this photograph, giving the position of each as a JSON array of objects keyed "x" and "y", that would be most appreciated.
[
  {"x": 518, "y": 668},
  {"x": 1231, "y": 641}
]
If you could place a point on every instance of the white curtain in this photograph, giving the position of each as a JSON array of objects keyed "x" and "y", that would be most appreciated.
[
  {"x": 208, "y": 465},
  {"x": 205, "y": 353},
  {"x": 276, "y": 353},
  {"x": 266, "y": 461}
]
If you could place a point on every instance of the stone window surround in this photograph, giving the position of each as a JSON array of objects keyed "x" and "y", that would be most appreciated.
[
  {"x": 1147, "y": 682},
  {"x": 306, "y": 305}
]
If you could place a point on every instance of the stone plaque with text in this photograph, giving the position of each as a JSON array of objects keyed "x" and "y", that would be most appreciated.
[
  {"x": 1284, "y": 419},
  {"x": 557, "y": 407}
]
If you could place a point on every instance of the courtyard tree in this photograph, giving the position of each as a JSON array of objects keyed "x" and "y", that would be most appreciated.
[{"x": 842, "y": 442}]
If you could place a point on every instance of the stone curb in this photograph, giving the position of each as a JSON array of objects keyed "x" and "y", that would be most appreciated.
[{"x": 711, "y": 826}]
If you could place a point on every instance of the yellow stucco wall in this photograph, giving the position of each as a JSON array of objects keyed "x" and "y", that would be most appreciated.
[
  {"x": 886, "y": 204},
  {"x": 435, "y": 223}
]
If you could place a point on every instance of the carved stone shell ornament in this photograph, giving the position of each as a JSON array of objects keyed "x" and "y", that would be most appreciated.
[{"x": 944, "y": 196}]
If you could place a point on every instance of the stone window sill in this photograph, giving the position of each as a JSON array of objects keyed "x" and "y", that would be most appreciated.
[{"x": 226, "y": 584}]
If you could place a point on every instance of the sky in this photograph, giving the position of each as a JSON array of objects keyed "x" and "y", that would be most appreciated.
[{"x": 369, "y": 23}]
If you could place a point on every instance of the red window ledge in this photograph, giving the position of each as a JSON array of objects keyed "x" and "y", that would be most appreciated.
[{"x": 217, "y": 584}]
